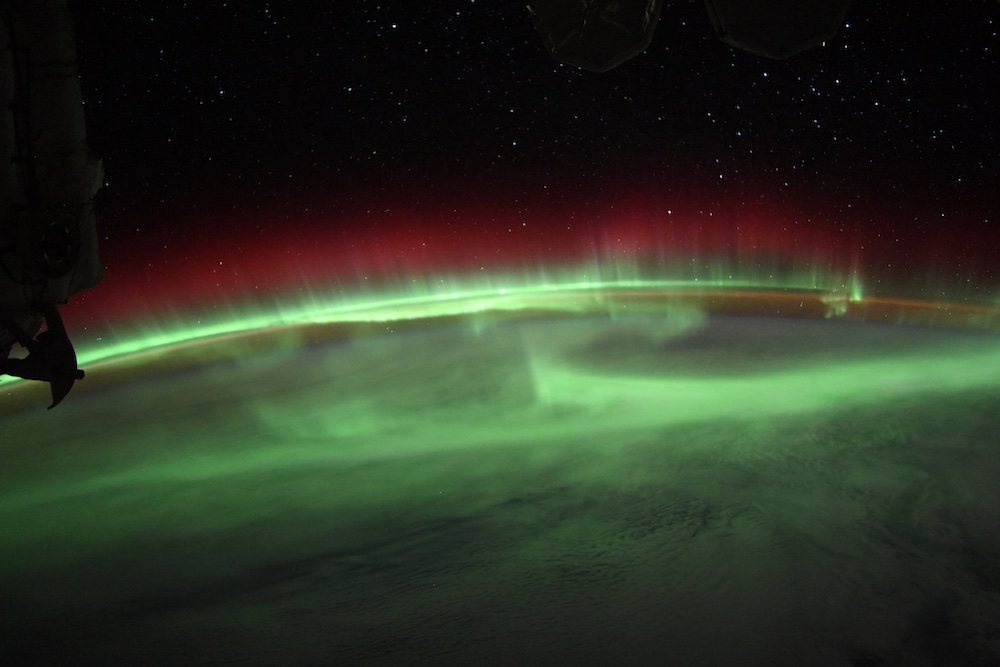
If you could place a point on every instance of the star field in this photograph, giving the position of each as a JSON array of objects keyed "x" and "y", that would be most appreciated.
[{"x": 247, "y": 143}]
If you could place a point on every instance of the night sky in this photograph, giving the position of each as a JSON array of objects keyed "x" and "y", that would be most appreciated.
[{"x": 251, "y": 148}]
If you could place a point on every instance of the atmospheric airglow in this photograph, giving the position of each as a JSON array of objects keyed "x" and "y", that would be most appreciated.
[
  {"x": 623, "y": 287},
  {"x": 383, "y": 300}
]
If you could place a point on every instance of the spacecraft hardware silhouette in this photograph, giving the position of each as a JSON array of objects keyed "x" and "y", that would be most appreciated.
[
  {"x": 48, "y": 181},
  {"x": 599, "y": 35}
]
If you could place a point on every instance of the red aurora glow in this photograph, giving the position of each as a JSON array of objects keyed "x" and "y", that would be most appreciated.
[{"x": 210, "y": 258}]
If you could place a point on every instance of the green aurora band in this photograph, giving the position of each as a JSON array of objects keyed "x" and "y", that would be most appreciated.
[
  {"x": 601, "y": 286},
  {"x": 425, "y": 297}
]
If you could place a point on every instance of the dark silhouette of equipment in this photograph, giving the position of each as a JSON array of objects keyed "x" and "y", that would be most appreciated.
[
  {"x": 48, "y": 181},
  {"x": 776, "y": 28},
  {"x": 51, "y": 357},
  {"x": 601, "y": 34},
  {"x": 595, "y": 34}
]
